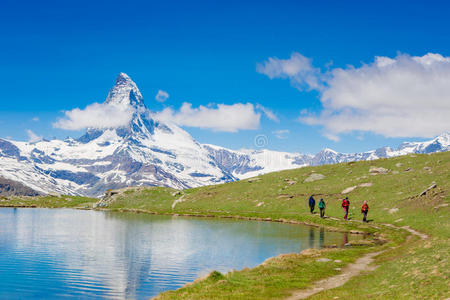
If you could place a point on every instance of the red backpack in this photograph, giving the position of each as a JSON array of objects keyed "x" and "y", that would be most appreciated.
[{"x": 345, "y": 203}]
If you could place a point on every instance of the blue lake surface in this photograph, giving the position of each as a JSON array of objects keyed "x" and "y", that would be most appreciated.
[{"x": 60, "y": 253}]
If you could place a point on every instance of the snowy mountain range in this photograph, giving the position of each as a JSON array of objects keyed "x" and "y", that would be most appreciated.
[
  {"x": 248, "y": 163},
  {"x": 152, "y": 153}
]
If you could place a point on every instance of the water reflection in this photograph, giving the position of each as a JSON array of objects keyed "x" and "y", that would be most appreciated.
[
  {"x": 322, "y": 237},
  {"x": 345, "y": 239},
  {"x": 311, "y": 237},
  {"x": 55, "y": 253}
]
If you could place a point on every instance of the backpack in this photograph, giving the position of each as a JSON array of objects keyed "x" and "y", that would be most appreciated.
[{"x": 364, "y": 208}]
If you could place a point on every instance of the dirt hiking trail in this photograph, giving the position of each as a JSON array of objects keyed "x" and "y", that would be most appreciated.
[{"x": 351, "y": 270}]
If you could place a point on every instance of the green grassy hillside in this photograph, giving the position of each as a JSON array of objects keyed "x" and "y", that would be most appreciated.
[{"x": 49, "y": 201}]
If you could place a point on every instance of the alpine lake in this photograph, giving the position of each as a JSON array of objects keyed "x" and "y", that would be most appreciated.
[{"x": 60, "y": 253}]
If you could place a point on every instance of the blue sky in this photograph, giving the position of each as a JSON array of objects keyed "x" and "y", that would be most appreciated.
[{"x": 61, "y": 55}]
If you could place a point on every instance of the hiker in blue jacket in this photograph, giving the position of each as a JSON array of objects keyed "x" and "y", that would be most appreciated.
[{"x": 312, "y": 203}]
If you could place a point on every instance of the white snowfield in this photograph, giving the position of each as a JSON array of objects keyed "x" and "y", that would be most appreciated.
[
  {"x": 148, "y": 152},
  {"x": 248, "y": 163}
]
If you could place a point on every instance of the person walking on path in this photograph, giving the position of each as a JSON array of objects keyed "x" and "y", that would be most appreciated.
[
  {"x": 312, "y": 204},
  {"x": 322, "y": 206},
  {"x": 346, "y": 205},
  {"x": 365, "y": 210}
]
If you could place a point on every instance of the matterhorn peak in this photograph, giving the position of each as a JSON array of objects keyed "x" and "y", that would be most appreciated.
[
  {"x": 125, "y": 92},
  {"x": 123, "y": 76}
]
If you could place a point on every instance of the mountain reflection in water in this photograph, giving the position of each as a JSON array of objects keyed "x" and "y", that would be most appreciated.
[{"x": 55, "y": 253}]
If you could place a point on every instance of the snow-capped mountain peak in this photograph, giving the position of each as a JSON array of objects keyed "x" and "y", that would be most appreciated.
[
  {"x": 125, "y": 92},
  {"x": 437, "y": 144},
  {"x": 126, "y": 95}
]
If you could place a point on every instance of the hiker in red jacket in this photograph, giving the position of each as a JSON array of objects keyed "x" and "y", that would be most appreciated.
[
  {"x": 365, "y": 210},
  {"x": 345, "y": 205}
]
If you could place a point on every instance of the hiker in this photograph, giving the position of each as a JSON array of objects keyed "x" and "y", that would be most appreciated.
[
  {"x": 312, "y": 204},
  {"x": 365, "y": 210},
  {"x": 346, "y": 205},
  {"x": 322, "y": 207}
]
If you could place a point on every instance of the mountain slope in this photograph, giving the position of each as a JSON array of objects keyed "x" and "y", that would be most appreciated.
[{"x": 12, "y": 188}]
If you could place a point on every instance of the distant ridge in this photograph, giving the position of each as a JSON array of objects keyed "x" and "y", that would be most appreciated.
[{"x": 249, "y": 163}]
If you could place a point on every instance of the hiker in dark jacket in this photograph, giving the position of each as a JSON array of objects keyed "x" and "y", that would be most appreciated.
[
  {"x": 322, "y": 206},
  {"x": 365, "y": 210},
  {"x": 312, "y": 204},
  {"x": 346, "y": 205}
]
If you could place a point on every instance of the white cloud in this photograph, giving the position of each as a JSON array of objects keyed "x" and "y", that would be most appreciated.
[
  {"x": 405, "y": 96},
  {"x": 33, "y": 137},
  {"x": 331, "y": 136},
  {"x": 268, "y": 113},
  {"x": 35, "y": 119},
  {"x": 105, "y": 115},
  {"x": 222, "y": 117},
  {"x": 281, "y": 134},
  {"x": 297, "y": 68},
  {"x": 162, "y": 96}
]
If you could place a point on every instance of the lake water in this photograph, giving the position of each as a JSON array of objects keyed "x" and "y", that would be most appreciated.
[{"x": 57, "y": 253}]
